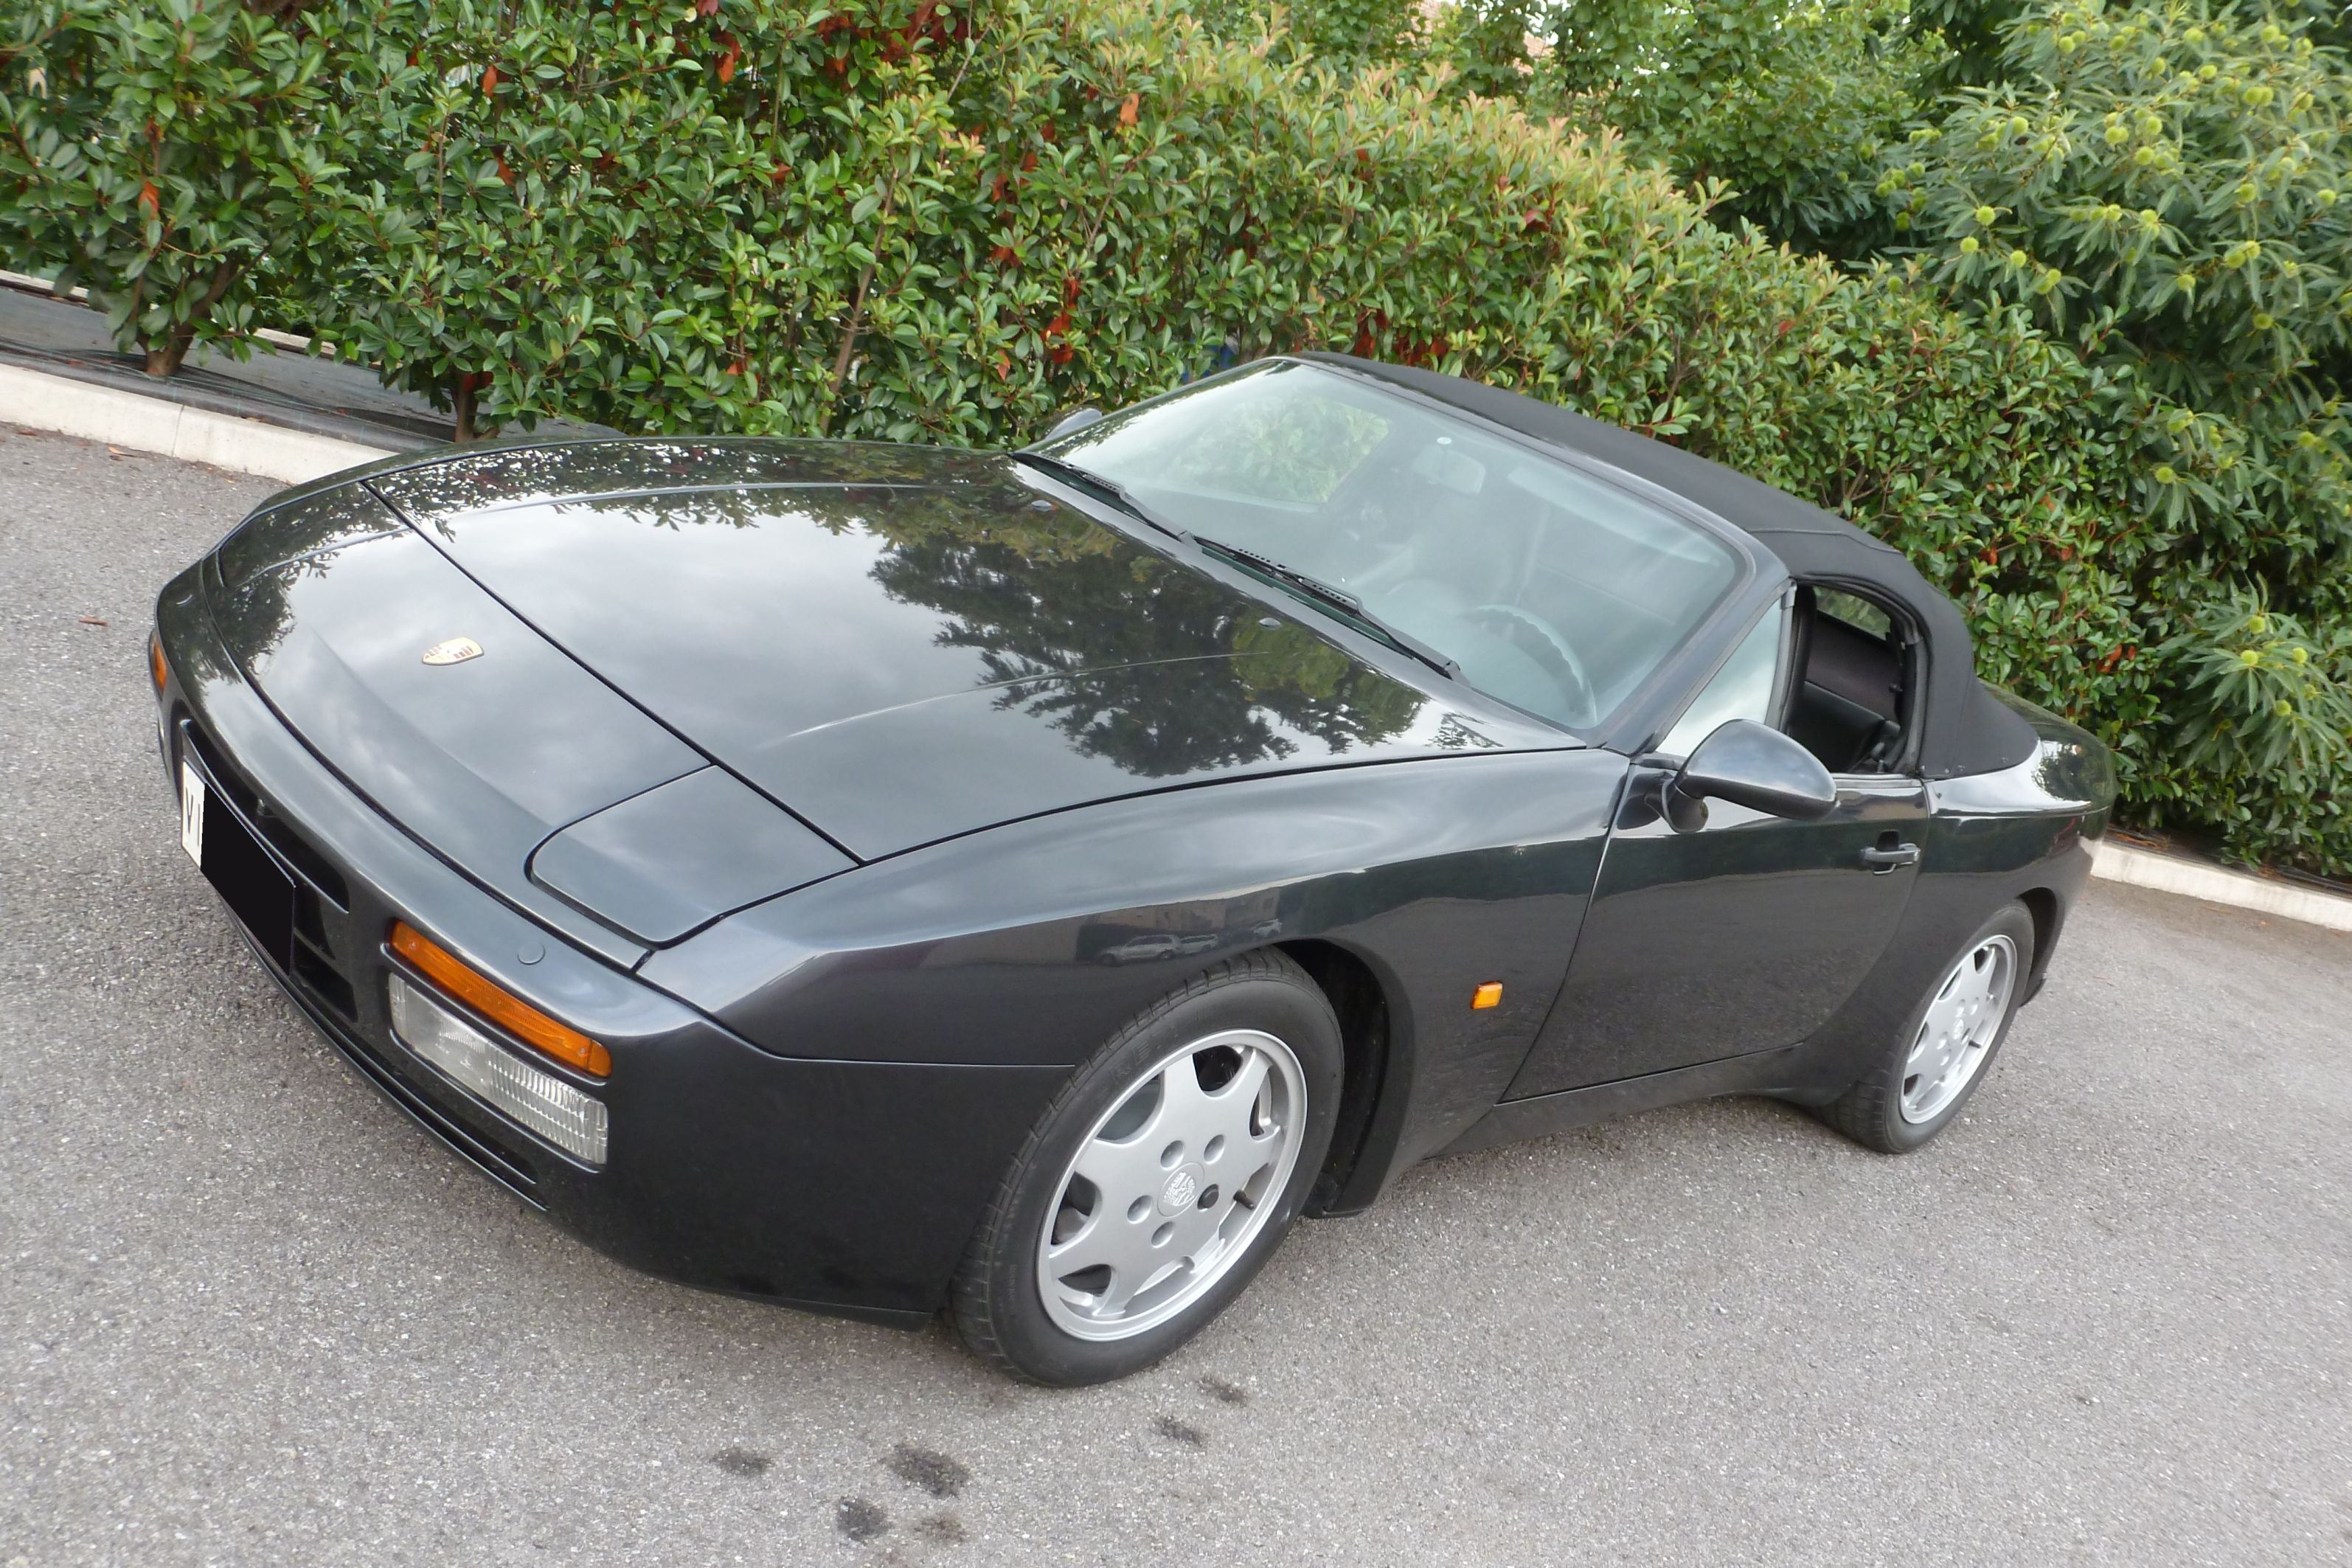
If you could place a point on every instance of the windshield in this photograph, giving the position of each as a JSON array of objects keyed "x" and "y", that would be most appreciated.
[{"x": 1552, "y": 590}]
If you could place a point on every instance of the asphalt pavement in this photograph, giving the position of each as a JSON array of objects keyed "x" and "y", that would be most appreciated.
[{"x": 248, "y": 1313}]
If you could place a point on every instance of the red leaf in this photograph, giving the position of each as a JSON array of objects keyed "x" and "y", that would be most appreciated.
[
  {"x": 1004, "y": 365},
  {"x": 706, "y": 7},
  {"x": 1028, "y": 161},
  {"x": 1127, "y": 110},
  {"x": 150, "y": 197},
  {"x": 1058, "y": 325},
  {"x": 1061, "y": 354},
  {"x": 727, "y": 65},
  {"x": 1001, "y": 256},
  {"x": 996, "y": 191},
  {"x": 779, "y": 174},
  {"x": 504, "y": 172},
  {"x": 489, "y": 80},
  {"x": 1070, "y": 289}
]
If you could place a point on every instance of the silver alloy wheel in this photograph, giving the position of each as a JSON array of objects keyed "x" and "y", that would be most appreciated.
[
  {"x": 1961, "y": 1025},
  {"x": 1171, "y": 1185}
]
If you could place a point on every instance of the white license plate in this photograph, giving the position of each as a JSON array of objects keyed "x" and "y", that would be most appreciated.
[{"x": 192, "y": 813}]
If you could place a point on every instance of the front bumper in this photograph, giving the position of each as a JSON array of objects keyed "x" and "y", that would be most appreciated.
[{"x": 841, "y": 1187}]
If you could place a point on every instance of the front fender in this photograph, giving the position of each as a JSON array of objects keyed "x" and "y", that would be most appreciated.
[{"x": 1030, "y": 944}]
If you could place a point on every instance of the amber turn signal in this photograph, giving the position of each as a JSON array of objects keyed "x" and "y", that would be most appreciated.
[
  {"x": 155, "y": 665},
  {"x": 1488, "y": 996},
  {"x": 517, "y": 1017}
]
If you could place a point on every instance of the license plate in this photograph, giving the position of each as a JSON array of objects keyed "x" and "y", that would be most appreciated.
[
  {"x": 192, "y": 813},
  {"x": 248, "y": 881}
]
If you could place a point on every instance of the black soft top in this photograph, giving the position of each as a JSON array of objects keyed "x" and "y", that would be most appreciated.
[{"x": 1965, "y": 730}]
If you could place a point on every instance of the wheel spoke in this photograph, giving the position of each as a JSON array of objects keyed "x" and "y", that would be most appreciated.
[
  {"x": 1236, "y": 1104},
  {"x": 1121, "y": 1171},
  {"x": 1927, "y": 1052},
  {"x": 1110, "y": 1240}
]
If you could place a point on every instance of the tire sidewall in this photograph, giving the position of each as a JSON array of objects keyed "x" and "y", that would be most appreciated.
[
  {"x": 2011, "y": 920},
  {"x": 1283, "y": 1003}
]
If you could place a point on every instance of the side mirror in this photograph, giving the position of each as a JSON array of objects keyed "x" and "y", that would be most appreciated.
[
  {"x": 1753, "y": 765},
  {"x": 1076, "y": 419}
]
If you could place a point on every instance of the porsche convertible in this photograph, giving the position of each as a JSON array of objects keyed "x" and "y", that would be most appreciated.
[{"x": 889, "y": 880}]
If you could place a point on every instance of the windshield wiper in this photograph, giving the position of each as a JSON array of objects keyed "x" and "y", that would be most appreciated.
[
  {"x": 1110, "y": 491},
  {"x": 1340, "y": 599}
]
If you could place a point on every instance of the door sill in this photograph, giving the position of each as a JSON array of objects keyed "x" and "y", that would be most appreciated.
[{"x": 1542, "y": 1115}]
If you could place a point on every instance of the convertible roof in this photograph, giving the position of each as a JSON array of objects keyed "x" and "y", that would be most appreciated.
[{"x": 1967, "y": 731}]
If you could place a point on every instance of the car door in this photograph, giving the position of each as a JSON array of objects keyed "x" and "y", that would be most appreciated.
[{"x": 1742, "y": 935}]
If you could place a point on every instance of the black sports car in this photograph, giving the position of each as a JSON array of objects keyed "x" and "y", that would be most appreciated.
[{"x": 884, "y": 880}]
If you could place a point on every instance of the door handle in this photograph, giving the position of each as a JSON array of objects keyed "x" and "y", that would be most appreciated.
[{"x": 1883, "y": 860}]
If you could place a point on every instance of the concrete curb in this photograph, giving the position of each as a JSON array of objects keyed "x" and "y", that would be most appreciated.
[
  {"x": 250, "y": 446},
  {"x": 2138, "y": 867},
  {"x": 39, "y": 402}
]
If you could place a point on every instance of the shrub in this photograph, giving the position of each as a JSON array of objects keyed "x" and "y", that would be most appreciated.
[
  {"x": 151, "y": 156},
  {"x": 1788, "y": 103},
  {"x": 541, "y": 203},
  {"x": 2167, "y": 185}
]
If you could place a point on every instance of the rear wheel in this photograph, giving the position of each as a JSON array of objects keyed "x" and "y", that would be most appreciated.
[
  {"x": 1159, "y": 1181},
  {"x": 1929, "y": 1069}
]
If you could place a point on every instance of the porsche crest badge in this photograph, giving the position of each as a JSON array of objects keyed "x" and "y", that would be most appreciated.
[{"x": 457, "y": 650}]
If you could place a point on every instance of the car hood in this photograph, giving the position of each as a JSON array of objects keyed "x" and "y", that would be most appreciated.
[{"x": 898, "y": 645}]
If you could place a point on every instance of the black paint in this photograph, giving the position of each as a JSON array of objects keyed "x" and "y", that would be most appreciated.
[{"x": 959, "y": 786}]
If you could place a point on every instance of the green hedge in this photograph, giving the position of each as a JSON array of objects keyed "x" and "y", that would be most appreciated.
[{"x": 944, "y": 223}]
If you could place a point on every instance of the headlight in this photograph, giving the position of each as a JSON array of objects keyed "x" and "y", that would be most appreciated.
[{"x": 539, "y": 1100}]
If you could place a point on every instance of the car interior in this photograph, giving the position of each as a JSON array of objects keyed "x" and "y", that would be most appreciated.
[{"x": 1850, "y": 704}]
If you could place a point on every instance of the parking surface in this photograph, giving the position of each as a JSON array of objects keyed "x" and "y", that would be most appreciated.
[{"x": 248, "y": 1313}]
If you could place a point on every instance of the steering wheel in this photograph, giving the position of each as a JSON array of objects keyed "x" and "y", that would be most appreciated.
[{"x": 1546, "y": 647}]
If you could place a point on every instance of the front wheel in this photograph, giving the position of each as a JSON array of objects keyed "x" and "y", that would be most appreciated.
[
  {"x": 1159, "y": 1180},
  {"x": 1917, "y": 1089}
]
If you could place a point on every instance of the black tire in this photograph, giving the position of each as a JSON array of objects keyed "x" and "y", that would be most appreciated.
[
  {"x": 995, "y": 1303},
  {"x": 1871, "y": 1112}
]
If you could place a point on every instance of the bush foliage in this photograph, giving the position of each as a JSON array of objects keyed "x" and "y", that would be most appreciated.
[
  {"x": 945, "y": 222},
  {"x": 154, "y": 153}
]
